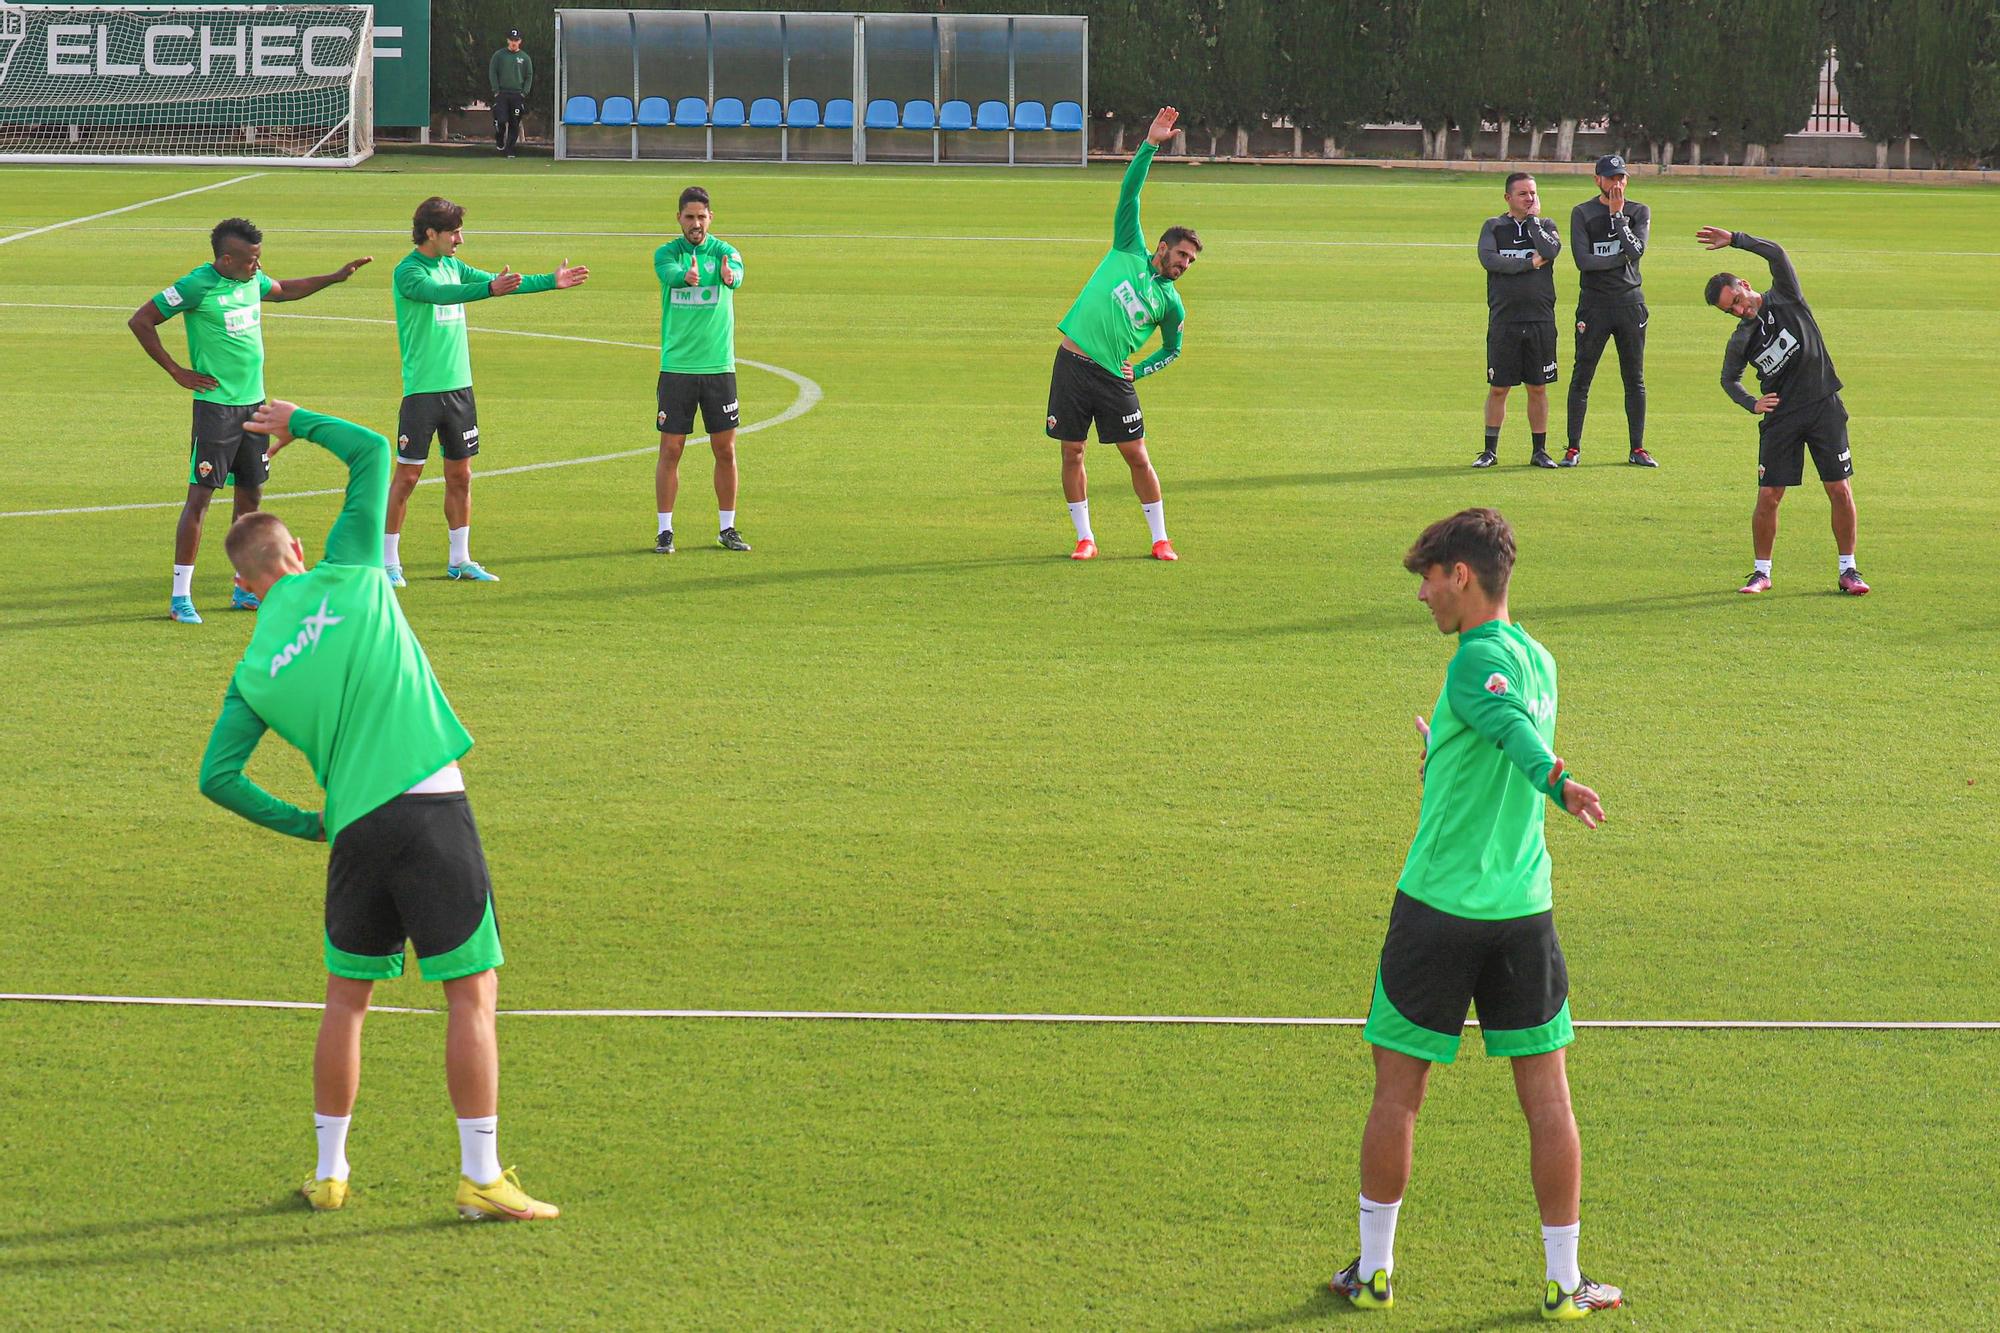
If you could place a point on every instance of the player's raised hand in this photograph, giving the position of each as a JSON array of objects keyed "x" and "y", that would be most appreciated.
[
  {"x": 1768, "y": 403},
  {"x": 1163, "y": 125},
  {"x": 693, "y": 278},
  {"x": 506, "y": 282},
  {"x": 567, "y": 277},
  {"x": 728, "y": 273},
  {"x": 194, "y": 379},
  {"x": 273, "y": 418},
  {"x": 1715, "y": 238},
  {"x": 348, "y": 269},
  {"x": 1582, "y": 802}
]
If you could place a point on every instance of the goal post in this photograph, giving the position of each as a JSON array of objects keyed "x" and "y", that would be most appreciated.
[{"x": 281, "y": 85}]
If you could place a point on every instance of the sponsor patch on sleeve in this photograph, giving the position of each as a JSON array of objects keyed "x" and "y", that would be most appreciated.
[{"x": 1496, "y": 684}]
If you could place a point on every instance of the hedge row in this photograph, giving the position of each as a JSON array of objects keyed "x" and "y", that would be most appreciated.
[{"x": 1671, "y": 76}]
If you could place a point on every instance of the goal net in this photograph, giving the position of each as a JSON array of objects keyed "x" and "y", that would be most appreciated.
[{"x": 187, "y": 83}]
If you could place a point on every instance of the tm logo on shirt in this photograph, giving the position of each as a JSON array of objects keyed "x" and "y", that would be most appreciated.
[
  {"x": 1136, "y": 309},
  {"x": 1773, "y": 358},
  {"x": 310, "y": 629},
  {"x": 241, "y": 320},
  {"x": 448, "y": 314}
]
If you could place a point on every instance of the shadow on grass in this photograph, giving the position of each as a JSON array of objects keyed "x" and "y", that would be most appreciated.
[
  {"x": 1320, "y": 1304},
  {"x": 290, "y": 1206},
  {"x": 1281, "y": 481}
]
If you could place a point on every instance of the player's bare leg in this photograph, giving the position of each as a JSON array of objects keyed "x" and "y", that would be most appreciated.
[
  {"x": 471, "y": 1044},
  {"x": 1389, "y": 1139},
  {"x": 723, "y": 444},
  {"x": 1763, "y": 537},
  {"x": 1555, "y": 1153},
  {"x": 336, "y": 1080},
  {"x": 187, "y": 533},
  {"x": 1146, "y": 485},
  {"x": 1538, "y": 408},
  {"x": 1076, "y": 490},
  {"x": 1496, "y": 417},
  {"x": 458, "y": 522},
  {"x": 402, "y": 483},
  {"x": 1840, "y": 494},
  {"x": 667, "y": 487}
]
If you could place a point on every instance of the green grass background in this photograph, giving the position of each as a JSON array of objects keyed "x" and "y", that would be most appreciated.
[{"x": 906, "y": 756}]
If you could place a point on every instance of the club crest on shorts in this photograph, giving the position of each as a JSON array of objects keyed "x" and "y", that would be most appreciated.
[
  {"x": 1580, "y": 326},
  {"x": 663, "y": 420},
  {"x": 204, "y": 468},
  {"x": 1760, "y": 472},
  {"x": 402, "y": 439},
  {"x": 1052, "y": 423},
  {"x": 1496, "y": 684}
]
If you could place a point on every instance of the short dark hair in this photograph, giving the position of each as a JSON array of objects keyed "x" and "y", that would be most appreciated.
[
  {"x": 1719, "y": 284},
  {"x": 1175, "y": 235},
  {"x": 243, "y": 229},
  {"x": 436, "y": 214},
  {"x": 1515, "y": 178},
  {"x": 257, "y": 542},
  {"x": 1478, "y": 538},
  {"x": 693, "y": 194}
]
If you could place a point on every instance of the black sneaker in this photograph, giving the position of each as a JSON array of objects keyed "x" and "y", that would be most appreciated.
[
  {"x": 1570, "y": 456},
  {"x": 1487, "y": 458},
  {"x": 1640, "y": 458},
  {"x": 731, "y": 540},
  {"x": 665, "y": 545},
  {"x": 1541, "y": 459}
]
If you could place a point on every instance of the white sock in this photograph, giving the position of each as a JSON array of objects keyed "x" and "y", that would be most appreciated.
[
  {"x": 1378, "y": 1237},
  {"x": 725, "y": 519},
  {"x": 183, "y": 580},
  {"x": 1079, "y": 514},
  {"x": 461, "y": 554},
  {"x": 1156, "y": 519},
  {"x": 1846, "y": 563},
  {"x": 666, "y": 520},
  {"x": 1762, "y": 567},
  {"x": 479, "y": 1149},
  {"x": 392, "y": 548},
  {"x": 331, "y": 1131},
  {"x": 1559, "y": 1249}
]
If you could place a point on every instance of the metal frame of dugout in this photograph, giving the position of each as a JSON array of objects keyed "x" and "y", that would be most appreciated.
[{"x": 730, "y": 85}]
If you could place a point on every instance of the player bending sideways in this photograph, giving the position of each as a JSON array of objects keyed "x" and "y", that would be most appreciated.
[
  {"x": 432, "y": 288},
  {"x": 1799, "y": 408},
  {"x": 222, "y": 301},
  {"x": 699, "y": 274},
  {"x": 335, "y": 670},
  {"x": 1131, "y": 292},
  {"x": 1472, "y": 920}
]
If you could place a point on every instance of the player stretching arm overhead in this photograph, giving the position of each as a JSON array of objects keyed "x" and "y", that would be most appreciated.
[
  {"x": 1799, "y": 409},
  {"x": 1130, "y": 294},
  {"x": 1472, "y": 922},
  {"x": 225, "y": 332},
  {"x": 432, "y": 288},
  {"x": 334, "y": 669}
]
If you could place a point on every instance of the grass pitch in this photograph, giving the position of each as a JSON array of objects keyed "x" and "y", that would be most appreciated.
[{"x": 905, "y": 756}]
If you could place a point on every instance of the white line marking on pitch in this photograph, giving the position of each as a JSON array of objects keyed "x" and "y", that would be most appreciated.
[
  {"x": 113, "y": 212},
  {"x": 887, "y": 1016},
  {"x": 809, "y": 396}
]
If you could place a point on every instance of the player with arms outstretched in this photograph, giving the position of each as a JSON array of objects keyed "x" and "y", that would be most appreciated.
[
  {"x": 433, "y": 287},
  {"x": 222, "y": 302},
  {"x": 1131, "y": 293},
  {"x": 334, "y": 669},
  {"x": 1472, "y": 922},
  {"x": 1799, "y": 408},
  {"x": 699, "y": 273}
]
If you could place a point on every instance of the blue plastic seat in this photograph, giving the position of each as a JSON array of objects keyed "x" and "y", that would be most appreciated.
[
  {"x": 766, "y": 114},
  {"x": 617, "y": 111},
  {"x": 840, "y": 114},
  {"x": 728, "y": 113},
  {"x": 691, "y": 113},
  {"x": 992, "y": 116},
  {"x": 955, "y": 115},
  {"x": 802, "y": 114},
  {"x": 919, "y": 116},
  {"x": 655, "y": 111},
  {"x": 1066, "y": 117},
  {"x": 881, "y": 115},
  {"x": 1030, "y": 116},
  {"x": 580, "y": 111}
]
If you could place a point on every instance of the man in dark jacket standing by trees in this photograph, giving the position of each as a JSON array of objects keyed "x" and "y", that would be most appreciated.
[
  {"x": 1607, "y": 238},
  {"x": 511, "y": 73},
  {"x": 1516, "y": 250}
]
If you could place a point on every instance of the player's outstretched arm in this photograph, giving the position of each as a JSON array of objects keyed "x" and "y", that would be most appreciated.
[
  {"x": 1127, "y": 231},
  {"x": 230, "y": 745},
  {"x": 297, "y": 289},
  {"x": 413, "y": 284},
  {"x": 356, "y": 536},
  {"x": 1784, "y": 278},
  {"x": 507, "y": 282}
]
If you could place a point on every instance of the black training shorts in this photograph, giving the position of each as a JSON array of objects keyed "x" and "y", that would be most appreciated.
[
  {"x": 1435, "y": 964},
  {"x": 222, "y": 452},
  {"x": 1521, "y": 353},
  {"x": 453, "y": 417},
  {"x": 1783, "y": 438},
  {"x": 1082, "y": 392},
  {"x": 411, "y": 869},
  {"x": 679, "y": 394}
]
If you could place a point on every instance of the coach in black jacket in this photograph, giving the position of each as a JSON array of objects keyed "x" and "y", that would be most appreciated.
[
  {"x": 1607, "y": 237},
  {"x": 1516, "y": 249}
]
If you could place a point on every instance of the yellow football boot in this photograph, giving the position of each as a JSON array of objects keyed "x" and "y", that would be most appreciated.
[
  {"x": 502, "y": 1201},
  {"x": 324, "y": 1195}
]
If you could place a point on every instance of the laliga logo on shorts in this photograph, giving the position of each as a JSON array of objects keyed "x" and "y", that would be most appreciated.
[{"x": 1496, "y": 684}]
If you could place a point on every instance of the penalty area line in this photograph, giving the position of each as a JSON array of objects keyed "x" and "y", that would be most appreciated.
[
  {"x": 1133, "y": 1020},
  {"x": 114, "y": 212}
]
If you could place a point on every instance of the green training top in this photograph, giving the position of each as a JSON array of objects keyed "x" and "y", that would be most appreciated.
[
  {"x": 697, "y": 324},
  {"x": 1117, "y": 309},
  {"x": 1479, "y": 850},
  {"x": 333, "y": 668},
  {"x": 430, "y": 318},
  {"x": 510, "y": 72},
  {"x": 225, "y": 329}
]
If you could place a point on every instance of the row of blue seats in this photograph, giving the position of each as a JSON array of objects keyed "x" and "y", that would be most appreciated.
[{"x": 766, "y": 113}]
